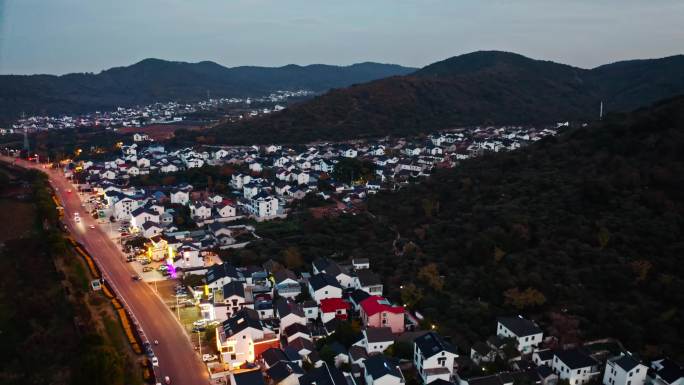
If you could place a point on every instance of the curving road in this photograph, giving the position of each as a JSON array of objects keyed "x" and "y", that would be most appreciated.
[{"x": 177, "y": 359}]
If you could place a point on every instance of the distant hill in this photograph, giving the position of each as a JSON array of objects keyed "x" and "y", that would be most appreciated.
[
  {"x": 153, "y": 80},
  {"x": 476, "y": 88}
]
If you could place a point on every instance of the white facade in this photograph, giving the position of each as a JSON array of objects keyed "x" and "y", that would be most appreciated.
[
  {"x": 525, "y": 342},
  {"x": 263, "y": 207},
  {"x": 616, "y": 374}
]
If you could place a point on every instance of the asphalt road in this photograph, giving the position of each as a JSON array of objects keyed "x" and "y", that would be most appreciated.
[{"x": 177, "y": 358}]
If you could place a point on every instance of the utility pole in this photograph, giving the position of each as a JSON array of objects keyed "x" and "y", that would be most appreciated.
[
  {"x": 199, "y": 343},
  {"x": 26, "y": 141},
  {"x": 601, "y": 111}
]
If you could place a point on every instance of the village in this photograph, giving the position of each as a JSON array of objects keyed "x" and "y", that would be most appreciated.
[
  {"x": 153, "y": 114},
  {"x": 330, "y": 323}
]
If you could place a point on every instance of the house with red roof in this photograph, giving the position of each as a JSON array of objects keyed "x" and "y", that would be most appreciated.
[
  {"x": 334, "y": 308},
  {"x": 378, "y": 312}
]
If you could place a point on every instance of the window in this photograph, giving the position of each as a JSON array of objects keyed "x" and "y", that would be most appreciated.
[{"x": 233, "y": 357}]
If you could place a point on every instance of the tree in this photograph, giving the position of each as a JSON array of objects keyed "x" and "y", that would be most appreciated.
[
  {"x": 293, "y": 258},
  {"x": 100, "y": 365},
  {"x": 641, "y": 268},
  {"x": 430, "y": 275},
  {"x": 526, "y": 298},
  {"x": 400, "y": 349},
  {"x": 411, "y": 295},
  {"x": 327, "y": 354}
]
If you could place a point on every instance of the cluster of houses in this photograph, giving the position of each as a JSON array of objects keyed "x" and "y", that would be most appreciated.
[
  {"x": 268, "y": 332},
  {"x": 272, "y": 317},
  {"x": 270, "y": 177},
  {"x": 575, "y": 365},
  {"x": 156, "y": 113}
]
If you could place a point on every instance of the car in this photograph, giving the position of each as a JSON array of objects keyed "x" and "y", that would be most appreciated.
[
  {"x": 77, "y": 219},
  {"x": 199, "y": 322},
  {"x": 145, "y": 262},
  {"x": 92, "y": 226},
  {"x": 155, "y": 361},
  {"x": 214, "y": 323},
  {"x": 209, "y": 357},
  {"x": 167, "y": 380},
  {"x": 69, "y": 191},
  {"x": 181, "y": 295},
  {"x": 198, "y": 329},
  {"x": 135, "y": 277},
  {"x": 146, "y": 269},
  {"x": 163, "y": 268}
]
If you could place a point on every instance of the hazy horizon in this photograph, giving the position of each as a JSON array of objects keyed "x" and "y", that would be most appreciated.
[{"x": 86, "y": 36}]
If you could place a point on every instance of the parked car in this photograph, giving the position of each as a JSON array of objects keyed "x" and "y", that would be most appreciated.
[
  {"x": 199, "y": 322},
  {"x": 209, "y": 357},
  {"x": 155, "y": 361},
  {"x": 198, "y": 329},
  {"x": 146, "y": 269},
  {"x": 136, "y": 277}
]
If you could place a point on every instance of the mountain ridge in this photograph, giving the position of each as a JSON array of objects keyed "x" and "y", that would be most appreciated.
[
  {"x": 152, "y": 80},
  {"x": 483, "y": 87}
]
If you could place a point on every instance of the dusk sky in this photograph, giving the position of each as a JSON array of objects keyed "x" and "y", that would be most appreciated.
[{"x": 61, "y": 36}]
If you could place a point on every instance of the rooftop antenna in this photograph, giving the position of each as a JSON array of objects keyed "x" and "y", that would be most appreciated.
[{"x": 601, "y": 111}]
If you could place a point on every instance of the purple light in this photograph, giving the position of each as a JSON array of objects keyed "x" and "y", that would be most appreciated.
[{"x": 172, "y": 270}]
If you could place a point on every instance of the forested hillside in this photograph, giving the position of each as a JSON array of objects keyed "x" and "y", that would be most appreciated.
[
  {"x": 154, "y": 80},
  {"x": 582, "y": 232},
  {"x": 487, "y": 87}
]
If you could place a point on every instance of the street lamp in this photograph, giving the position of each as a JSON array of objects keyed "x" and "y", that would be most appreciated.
[{"x": 199, "y": 342}]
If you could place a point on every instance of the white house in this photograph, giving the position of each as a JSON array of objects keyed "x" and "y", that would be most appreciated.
[
  {"x": 189, "y": 256},
  {"x": 433, "y": 358},
  {"x": 349, "y": 153},
  {"x": 624, "y": 370},
  {"x": 226, "y": 210},
  {"x": 289, "y": 313},
  {"x": 263, "y": 206},
  {"x": 377, "y": 340},
  {"x": 181, "y": 197},
  {"x": 150, "y": 229},
  {"x": 141, "y": 215},
  {"x": 200, "y": 210},
  {"x": 239, "y": 180},
  {"x": 123, "y": 208},
  {"x": 380, "y": 371},
  {"x": 240, "y": 338},
  {"x": 286, "y": 284},
  {"x": 526, "y": 332},
  {"x": 235, "y": 298},
  {"x": 574, "y": 366},
  {"x": 323, "y": 286}
]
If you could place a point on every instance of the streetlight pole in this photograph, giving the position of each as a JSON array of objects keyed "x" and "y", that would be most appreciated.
[{"x": 199, "y": 343}]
